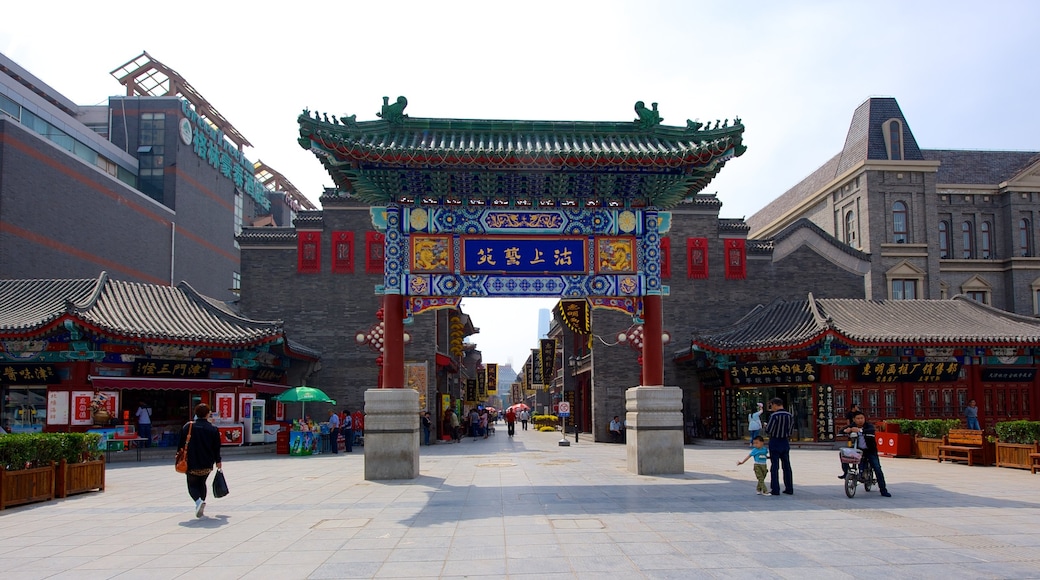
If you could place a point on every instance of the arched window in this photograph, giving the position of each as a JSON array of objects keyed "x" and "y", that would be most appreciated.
[
  {"x": 968, "y": 236},
  {"x": 985, "y": 241},
  {"x": 1025, "y": 245},
  {"x": 850, "y": 228},
  {"x": 899, "y": 233},
  {"x": 944, "y": 239},
  {"x": 895, "y": 134}
]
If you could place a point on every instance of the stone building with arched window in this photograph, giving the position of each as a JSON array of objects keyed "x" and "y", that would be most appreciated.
[{"x": 935, "y": 222}]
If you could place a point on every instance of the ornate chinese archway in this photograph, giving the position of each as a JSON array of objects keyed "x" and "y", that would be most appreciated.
[{"x": 519, "y": 208}]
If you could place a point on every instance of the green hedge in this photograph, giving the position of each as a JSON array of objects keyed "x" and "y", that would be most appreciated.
[
  {"x": 1024, "y": 432},
  {"x": 929, "y": 428},
  {"x": 29, "y": 450}
]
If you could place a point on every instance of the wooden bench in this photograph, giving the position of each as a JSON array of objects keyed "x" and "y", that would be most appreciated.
[
  {"x": 1034, "y": 459},
  {"x": 962, "y": 444}
]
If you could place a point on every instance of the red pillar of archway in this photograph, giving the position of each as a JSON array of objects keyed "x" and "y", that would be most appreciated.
[
  {"x": 653, "y": 344},
  {"x": 393, "y": 341}
]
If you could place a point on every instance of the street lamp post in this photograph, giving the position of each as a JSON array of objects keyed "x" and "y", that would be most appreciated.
[
  {"x": 574, "y": 411},
  {"x": 563, "y": 399}
]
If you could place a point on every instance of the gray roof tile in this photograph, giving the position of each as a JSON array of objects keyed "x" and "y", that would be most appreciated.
[
  {"x": 979, "y": 167},
  {"x": 795, "y": 324},
  {"x": 129, "y": 311}
]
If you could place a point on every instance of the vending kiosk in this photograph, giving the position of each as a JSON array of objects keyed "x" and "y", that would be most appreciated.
[{"x": 254, "y": 432}]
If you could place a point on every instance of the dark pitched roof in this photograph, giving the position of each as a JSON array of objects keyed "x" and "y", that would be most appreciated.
[
  {"x": 128, "y": 311},
  {"x": 796, "y": 324},
  {"x": 979, "y": 167},
  {"x": 865, "y": 140},
  {"x": 806, "y": 223},
  {"x": 792, "y": 197}
]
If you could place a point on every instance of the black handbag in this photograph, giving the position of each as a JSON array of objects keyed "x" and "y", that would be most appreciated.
[{"x": 220, "y": 484}]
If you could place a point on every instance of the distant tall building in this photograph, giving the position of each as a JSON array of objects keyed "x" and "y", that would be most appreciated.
[
  {"x": 506, "y": 378},
  {"x": 544, "y": 316}
]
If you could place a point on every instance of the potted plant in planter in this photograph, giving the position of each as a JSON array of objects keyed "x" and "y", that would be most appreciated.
[
  {"x": 26, "y": 468},
  {"x": 82, "y": 464},
  {"x": 1016, "y": 440},
  {"x": 930, "y": 434}
]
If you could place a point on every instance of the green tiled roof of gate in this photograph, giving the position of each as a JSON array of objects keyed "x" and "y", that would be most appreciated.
[{"x": 359, "y": 155}]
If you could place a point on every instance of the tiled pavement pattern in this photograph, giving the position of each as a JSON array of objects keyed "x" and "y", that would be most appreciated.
[{"x": 527, "y": 508}]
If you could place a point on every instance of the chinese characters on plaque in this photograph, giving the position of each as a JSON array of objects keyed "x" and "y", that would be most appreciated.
[
  {"x": 769, "y": 373},
  {"x": 171, "y": 369},
  {"x": 824, "y": 413},
  {"x": 908, "y": 372}
]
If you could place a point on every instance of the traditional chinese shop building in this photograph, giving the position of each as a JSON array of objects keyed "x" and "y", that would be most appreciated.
[
  {"x": 911, "y": 359},
  {"x": 66, "y": 343}
]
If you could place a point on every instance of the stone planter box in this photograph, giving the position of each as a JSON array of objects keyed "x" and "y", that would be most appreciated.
[
  {"x": 26, "y": 485},
  {"x": 1015, "y": 455},
  {"x": 73, "y": 478},
  {"x": 927, "y": 448}
]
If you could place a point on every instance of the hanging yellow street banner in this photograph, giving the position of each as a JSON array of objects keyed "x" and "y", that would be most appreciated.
[
  {"x": 492, "y": 379},
  {"x": 548, "y": 361},
  {"x": 576, "y": 315}
]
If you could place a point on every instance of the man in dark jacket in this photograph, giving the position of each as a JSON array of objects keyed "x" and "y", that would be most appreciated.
[
  {"x": 779, "y": 428},
  {"x": 203, "y": 442},
  {"x": 868, "y": 443}
]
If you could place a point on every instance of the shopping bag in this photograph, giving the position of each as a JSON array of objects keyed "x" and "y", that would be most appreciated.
[{"x": 220, "y": 484}]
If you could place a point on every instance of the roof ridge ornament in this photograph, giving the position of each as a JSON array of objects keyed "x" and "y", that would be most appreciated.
[
  {"x": 393, "y": 113},
  {"x": 647, "y": 119}
]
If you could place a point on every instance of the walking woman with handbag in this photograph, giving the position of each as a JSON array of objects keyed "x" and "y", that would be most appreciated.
[{"x": 200, "y": 447}]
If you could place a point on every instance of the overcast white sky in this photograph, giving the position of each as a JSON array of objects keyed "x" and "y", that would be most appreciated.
[{"x": 964, "y": 73}]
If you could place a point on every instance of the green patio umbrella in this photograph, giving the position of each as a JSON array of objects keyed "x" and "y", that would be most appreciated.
[{"x": 303, "y": 395}]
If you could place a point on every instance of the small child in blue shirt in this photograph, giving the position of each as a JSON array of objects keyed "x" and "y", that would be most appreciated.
[{"x": 759, "y": 453}]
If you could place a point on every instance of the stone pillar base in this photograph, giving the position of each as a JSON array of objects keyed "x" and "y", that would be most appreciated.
[
  {"x": 391, "y": 434},
  {"x": 654, "y": 435}
]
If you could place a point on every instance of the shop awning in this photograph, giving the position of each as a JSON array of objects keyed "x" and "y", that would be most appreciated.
[
  {"x": 273, "y": 388},
  {"x": 153, "y": 384},
  {"x": 445, "y": 361}
]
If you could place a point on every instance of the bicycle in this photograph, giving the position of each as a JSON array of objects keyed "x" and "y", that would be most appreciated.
[{"x": 858, "y": 471}]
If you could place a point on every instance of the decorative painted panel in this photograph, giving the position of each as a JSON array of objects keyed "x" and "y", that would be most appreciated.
[{"x": 488, "y": 251}]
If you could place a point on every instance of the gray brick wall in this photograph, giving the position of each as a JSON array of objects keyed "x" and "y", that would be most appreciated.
[{"x": 326, "y": 310}]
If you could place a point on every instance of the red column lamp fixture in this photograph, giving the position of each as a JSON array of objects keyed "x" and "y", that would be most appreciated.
[
  {"x": 633, "y": 337},
  {"x": 374, "y": 338}
]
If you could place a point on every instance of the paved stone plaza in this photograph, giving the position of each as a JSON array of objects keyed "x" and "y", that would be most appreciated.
[{"x": 527, "y": 508}]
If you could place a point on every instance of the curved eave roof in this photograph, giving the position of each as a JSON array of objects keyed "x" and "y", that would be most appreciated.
[
  {"x": 126, "y": 311},
  {"x": 781, "y": 325},
  {"x": 153, "y": 313},
  {"x": 785, "y": 325},
  {"x": 30, "y": 306},
  {"x": 694, "y": 156},
  {"x": 957, "y": 322}
]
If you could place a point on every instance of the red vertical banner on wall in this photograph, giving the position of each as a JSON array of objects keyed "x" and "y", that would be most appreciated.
[
  {"x": 666, "y": 257},
  {"x": 308, "y": 252},
  {"x": 343, "y": 252},
  {"x": 697, "y": 257},
  {"x": 736, "y": 260},
  {"x": 226, "y": 406},
  {"x": 374, "y": 253}
]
